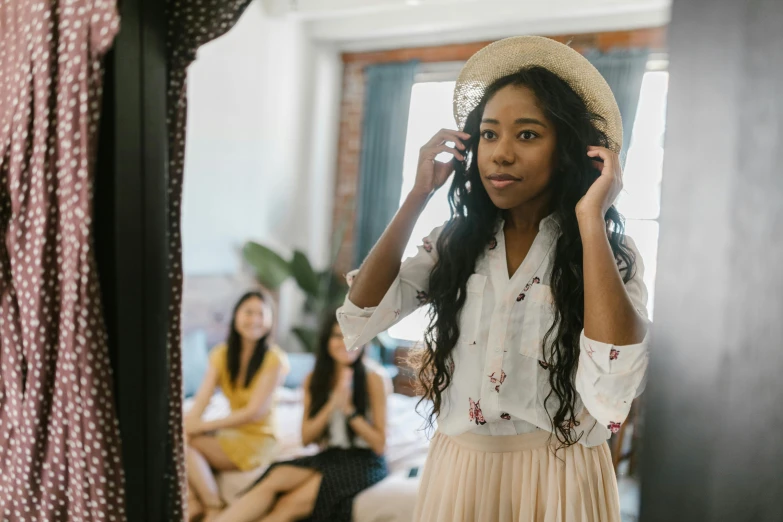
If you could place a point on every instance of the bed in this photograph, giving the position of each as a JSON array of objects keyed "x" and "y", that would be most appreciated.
[{"x": 391, "y": 500}]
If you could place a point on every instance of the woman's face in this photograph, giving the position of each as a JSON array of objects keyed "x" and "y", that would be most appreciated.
[
  {"x": 516, "y": 151},
  {"x": 252, "y": 319},
  {"x": 337, "y": 348}
]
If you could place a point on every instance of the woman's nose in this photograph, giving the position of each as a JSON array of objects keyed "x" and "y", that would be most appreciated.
[{"x": 503, "y": 153}]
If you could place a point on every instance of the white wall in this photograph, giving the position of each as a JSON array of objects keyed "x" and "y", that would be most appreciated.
[{"x": 261, "y": 139}]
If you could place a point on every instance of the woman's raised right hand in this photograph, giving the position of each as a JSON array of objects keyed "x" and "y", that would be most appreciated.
[
  {"x": 343, "y": 389},
  {"x": 431, "y": 174}
]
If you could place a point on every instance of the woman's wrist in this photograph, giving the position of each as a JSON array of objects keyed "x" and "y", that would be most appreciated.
[
  {"x": 591, "y": 223},
  {"x": 589, "y": 215},
  {"x": 418, "y": 197}
]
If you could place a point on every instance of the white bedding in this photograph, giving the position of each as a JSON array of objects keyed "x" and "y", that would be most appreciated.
[{"x": 391, "y": 500}]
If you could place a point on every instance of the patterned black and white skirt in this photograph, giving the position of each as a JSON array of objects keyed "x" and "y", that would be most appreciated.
[{"x": 346, "y": 473}]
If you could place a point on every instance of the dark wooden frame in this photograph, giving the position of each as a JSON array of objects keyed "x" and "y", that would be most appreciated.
[{"x": 132, "y": 249}]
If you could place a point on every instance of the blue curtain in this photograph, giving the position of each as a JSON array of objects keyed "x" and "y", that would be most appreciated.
[
  {"x": 386, "y": 105},
  {"x": 623, "y": 71}
]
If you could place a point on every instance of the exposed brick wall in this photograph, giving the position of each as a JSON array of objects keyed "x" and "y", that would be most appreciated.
[{"x": 347, "y": 178}]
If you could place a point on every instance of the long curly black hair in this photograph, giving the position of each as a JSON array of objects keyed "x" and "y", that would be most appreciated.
[
  {"x": 473, "y": 225},
  {"x": 323, "y": 378}
]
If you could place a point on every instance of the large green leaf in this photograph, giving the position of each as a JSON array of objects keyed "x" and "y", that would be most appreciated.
[
  {"x": 336, "y": 289},
  {"x": 308, "y": 337},
  {"x": 271, "y": 269},
  {"x": 337, "y": 298},
  {"x": 313, "y": 305},
  {"x": 331, "y": 293},
  {"x": 304, "y": 273}
]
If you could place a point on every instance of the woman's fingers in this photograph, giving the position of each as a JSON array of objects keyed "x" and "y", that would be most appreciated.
[
  {"x": 606, "y": 161},
  {"x": 445, "y": 135},
  {"x": 445, "y": 148},
  {"x": 598, "y": 165}
]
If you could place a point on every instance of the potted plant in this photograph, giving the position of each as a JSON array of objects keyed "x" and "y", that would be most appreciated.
[{"x": 323, "y": 289}]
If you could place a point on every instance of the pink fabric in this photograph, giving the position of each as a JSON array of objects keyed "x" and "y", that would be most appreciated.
[{"x": 59, "y": 442}]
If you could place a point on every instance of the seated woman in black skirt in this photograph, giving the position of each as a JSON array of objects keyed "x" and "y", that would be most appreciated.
[{"x": 345, "y": 412}]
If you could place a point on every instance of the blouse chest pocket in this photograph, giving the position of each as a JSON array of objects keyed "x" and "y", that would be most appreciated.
[
  {"x": 470, "y": 316},
  {"x": 538, "y": 319}
]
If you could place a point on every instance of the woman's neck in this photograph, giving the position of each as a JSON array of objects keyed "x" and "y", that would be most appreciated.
[
  {"x": 248, "y": 347},
  {"x": 527, "y": 217}
]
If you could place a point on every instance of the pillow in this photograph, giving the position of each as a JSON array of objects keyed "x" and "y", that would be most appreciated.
[
  {"x": 285, "y": 395},
  {"x": 301, "y": 364},
  {"x": 195, "y": 361}
]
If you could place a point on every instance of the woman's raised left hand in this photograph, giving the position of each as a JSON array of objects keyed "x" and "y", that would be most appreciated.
[{"x": 603, "y": 192}]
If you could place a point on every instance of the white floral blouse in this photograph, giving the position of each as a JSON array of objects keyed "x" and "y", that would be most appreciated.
[{"x": 500, "y": 374}]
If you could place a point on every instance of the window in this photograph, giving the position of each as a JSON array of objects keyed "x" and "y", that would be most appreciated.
[
  {"x": 640, "y": 200},
  {"x": 431, "y": 110}
]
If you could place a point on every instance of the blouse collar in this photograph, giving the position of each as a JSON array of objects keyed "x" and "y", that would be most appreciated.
[{"x": 549, "y": 225}]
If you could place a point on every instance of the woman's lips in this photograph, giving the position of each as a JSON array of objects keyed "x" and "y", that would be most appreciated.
[
  {"x": 501, "y": 181},
  {"x": 498, "y": 184}
]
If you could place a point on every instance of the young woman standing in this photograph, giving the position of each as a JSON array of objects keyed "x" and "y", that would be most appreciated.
[{"x": 537, "y": 340}]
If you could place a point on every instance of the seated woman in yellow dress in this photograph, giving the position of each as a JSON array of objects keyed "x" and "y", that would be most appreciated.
[{"x": 247, "y": 368}]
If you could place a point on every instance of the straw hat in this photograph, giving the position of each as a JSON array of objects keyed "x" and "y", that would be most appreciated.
[{"x": 508, "y": 56}]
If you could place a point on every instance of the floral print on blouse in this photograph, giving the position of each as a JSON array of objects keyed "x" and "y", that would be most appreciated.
[{"x": 500, "y": 367}]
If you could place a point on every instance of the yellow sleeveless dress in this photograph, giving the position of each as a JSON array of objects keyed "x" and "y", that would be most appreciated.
[{"x": 253, "y": 444}]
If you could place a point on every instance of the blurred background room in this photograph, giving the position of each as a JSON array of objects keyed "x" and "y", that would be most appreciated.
[{"x": 304, "y": 126}]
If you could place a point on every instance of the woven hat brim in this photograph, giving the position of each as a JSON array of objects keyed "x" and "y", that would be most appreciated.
[{"x": 511, "y": 55}]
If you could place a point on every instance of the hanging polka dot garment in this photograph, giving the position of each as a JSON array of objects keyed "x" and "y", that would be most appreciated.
[
  {"x": 192, "y": 23},
  {"x": 59, "y": 441}
]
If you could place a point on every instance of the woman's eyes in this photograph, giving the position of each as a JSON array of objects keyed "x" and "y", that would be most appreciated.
[{"x": 524, "y": 135}]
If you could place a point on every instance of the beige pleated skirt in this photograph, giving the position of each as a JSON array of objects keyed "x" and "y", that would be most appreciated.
[{"x": 516, "y": 478}]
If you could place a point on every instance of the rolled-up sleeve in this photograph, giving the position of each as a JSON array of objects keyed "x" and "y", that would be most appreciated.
[
  {"x": 407, "y": 293},
  {"x": 610, "y": 377}
]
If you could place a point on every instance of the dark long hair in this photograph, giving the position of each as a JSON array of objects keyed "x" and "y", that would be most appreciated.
[
  {"x": 473, "y": 225},
  {"x": 324, "y": 374},
  {"x": 234, "y": 343}
]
